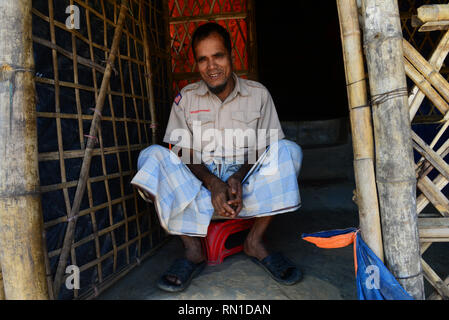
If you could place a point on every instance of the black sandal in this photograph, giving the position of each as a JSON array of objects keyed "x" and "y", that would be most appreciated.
[
  {"x": 280, "y": 268},
  {"x": 184, "y": 270}
]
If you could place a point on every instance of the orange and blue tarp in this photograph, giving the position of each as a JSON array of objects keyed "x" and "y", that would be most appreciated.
[{"x": 373, "y": 279}]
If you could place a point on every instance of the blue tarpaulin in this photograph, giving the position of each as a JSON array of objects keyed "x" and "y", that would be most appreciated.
[{"x": 374, "y": 280}]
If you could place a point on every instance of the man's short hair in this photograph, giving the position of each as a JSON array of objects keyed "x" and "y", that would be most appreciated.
[{"x": 205, "y": 30}]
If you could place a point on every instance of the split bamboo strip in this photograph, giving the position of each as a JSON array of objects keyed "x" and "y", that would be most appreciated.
[
  {"x": 435, "y": 295},
  {"x": 435, "y": 280},
  {"x": 425, "y": 87},
  {"x": 395, "y": 168},
  {"x": 433, "y": 194},
  {"x": 148, "y": 77},
  {"x": 88, "y": 153},
  {"x": 434, "y": 12},
  {"x": 209, "y": 17},
  {"x": 439, "y": 183},
  {"x": 434, "y": 25},
  {"x": 436, "y": 60},
  {"x": 431, "y": 156},
  {"x": 2, "y": 288},
  {"x": 21, "y": 251},
  {"x": 361, "y": 126},
  {"x": 426, "y": 69}
]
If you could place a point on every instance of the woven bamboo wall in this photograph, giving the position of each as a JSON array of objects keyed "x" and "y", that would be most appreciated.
[
  {"x": 425, "y": 54},
  {"x": 116, "y": 229},
  {"x": 424, "y": 42}
]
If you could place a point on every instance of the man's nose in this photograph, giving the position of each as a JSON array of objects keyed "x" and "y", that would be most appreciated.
[{"x": 211, "y": 65}]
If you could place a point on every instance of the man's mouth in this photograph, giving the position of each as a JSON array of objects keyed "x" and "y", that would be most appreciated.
[{"x": 215, "y": 76}]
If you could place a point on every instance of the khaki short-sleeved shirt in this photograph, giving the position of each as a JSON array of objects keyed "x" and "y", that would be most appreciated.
[{"x": 247, "y": 120}]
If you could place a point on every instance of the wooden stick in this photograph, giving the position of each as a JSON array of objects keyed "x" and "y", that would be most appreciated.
[
  {"x": 88, "y": 153},
  {"x": 435, "y": 295},
  {"x": 435, "y": 280},
  {"x": 21, "y": 223},
  {"x": 426, "y": 69},
  {"x": 425, "y": 87},
  {"x": 148, "y": 77},
  {"x": 395, "y": 168},
  {"x": 361, "y": 126},
  {"x": 434, "y": 12},
  {"x": 2, "y": 288}
]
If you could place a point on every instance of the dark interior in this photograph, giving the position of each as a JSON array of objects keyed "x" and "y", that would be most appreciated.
[{"x": 300, "y": 59}]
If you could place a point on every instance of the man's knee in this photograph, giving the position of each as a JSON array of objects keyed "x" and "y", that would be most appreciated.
[
  {"x": 294, "y": 149},
  {"x": 154, "y": 151}
]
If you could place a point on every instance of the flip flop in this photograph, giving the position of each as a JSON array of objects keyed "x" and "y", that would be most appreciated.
[
  {"x": 182, "y": 269},
  {"x": 280, "y": 268}
]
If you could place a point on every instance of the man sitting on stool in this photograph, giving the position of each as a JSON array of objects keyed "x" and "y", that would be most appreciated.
[{"x": 235, "y": 163}]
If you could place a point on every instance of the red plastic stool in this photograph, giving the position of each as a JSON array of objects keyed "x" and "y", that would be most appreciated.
[{"x": 217, "y": 234}]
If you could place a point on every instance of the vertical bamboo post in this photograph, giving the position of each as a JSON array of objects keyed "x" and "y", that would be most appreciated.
[
  {"x": 2, "y": 288},
  {"x": 395, "y": 168},
  {"x": 21, "y": 223},
  {"x": 82, "y": 181},
  {"x": 149, "y": 75},
  {"x": 361, "y": 126}
]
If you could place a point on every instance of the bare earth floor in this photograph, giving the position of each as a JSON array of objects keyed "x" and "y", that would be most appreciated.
[{"x": 328, "y": 274}]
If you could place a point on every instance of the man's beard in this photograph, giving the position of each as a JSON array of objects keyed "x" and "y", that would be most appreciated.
[{"x": 218, "y": 89}]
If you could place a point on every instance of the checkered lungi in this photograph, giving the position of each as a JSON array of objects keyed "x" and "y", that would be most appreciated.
[{"x": 184, "y": 205}]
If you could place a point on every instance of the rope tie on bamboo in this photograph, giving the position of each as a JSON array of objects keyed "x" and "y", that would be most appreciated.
[
  {"x": 8, "y": 73},
  {"x": 92, "y": 137},
  {"x": 72, "y": 218},
  {"x": 95, "y": 110},
  {"x": 154, "y": 125},
  {"x": 96, "y": 292},
  {"x": 383, "y": 97}
]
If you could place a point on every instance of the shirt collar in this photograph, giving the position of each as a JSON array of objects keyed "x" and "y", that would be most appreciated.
[{"x": 240, "y": 87}]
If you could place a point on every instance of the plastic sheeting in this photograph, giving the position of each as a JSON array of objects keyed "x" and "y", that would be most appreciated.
[{"x": 374, "y": 280}]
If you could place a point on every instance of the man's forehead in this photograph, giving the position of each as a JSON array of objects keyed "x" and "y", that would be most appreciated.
[{"x": 213, "y": 38}]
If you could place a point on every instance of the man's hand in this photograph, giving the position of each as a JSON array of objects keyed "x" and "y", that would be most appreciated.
[
  {"x": 235, "y": 193},
  {"x": 220, "y": 197}
]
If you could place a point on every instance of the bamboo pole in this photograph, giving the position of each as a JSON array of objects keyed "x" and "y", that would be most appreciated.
[
  {"x": 361, "y": 126},
  {"x": 395, "y": 168},
  {"x": 2, "y": 288},
  {"x": 148, "y": 77},
  {"x": 433, "y": 12},
  {"x": 81, "y": 187},
  {"x": 21, "y": 223}
]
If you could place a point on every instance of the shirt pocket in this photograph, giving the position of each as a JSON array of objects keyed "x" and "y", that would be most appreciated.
[{"x": 245, "y": 120}]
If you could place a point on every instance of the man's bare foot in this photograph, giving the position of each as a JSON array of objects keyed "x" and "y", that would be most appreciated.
[
  {"x": 193, "y": 252},
  {"x": 255, "y": 248}
]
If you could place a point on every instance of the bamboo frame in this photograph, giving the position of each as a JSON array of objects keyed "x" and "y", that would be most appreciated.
[
  {"x": 430, "y": 83},
  {"x": 361, "y": 126},
  {"x": 21, "y": 250},
  {"x": 88, "y": 153},
  {"x": 130, "y": 132},
  {"x": 394, "y": 175},
  {"x": 424, "y": 73}
]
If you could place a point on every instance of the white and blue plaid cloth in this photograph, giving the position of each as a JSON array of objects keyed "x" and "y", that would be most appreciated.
[{"x": 184, "y": 205}]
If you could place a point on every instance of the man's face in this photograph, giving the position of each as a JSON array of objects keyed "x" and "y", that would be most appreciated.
[{"x": 214, "y": 62}]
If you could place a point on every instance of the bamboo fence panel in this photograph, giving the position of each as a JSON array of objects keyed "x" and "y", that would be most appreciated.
[
  {"x": 115, "y": 228},
  {"x": 432, "y": 147},
  {"x": 237, "y": 16}
]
